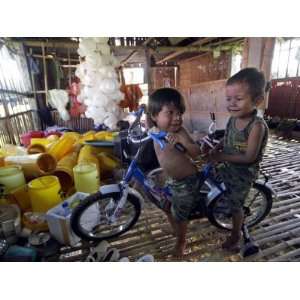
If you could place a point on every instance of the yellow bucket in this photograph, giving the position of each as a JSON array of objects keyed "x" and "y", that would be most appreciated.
[
  {"x": 11, "y": 177},
  {"x": 90, "y": 135},
  {"x": 2, "y": 163},
  {"x": 20, "y": 196},
  {"x": 39, "y": 141},
  {"x": 105, "y": 135},
  {"x": 52, "y": 138},
  {"x": 44, "y": 193},
  {"x": 33, "y": 165},
  {"x": 38, "y": 145},
  {"x": 73, "y": 134},
  {"x": 63, "y": 146},
  {"x": 87, "y": 155},
  {"x": 107, "y": 162},
  {"x": 86, "y": 178},
  {"x": 64, "y": 170},
  {"x": 36, "y": 148}
]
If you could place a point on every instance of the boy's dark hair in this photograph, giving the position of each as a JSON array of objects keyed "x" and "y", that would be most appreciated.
[
  {"x": 253, "y": 78},
  {"x": 162, "y": 97}
]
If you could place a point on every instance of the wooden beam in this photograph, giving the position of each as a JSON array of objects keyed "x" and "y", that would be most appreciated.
[
  {"x": 124, "y": 61},
  {"x": 193, "y": 48},
  {"x": 70, "y": 45},
  {"x": 228, "y": 41},
  {"x": 148, "y": 40},
  {"x": 56, "y": 57},
  {"x": 175, "y": 54},
  {"x": 134, "y": 52}
]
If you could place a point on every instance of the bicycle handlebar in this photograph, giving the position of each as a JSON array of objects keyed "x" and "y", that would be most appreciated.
[
  {"x": 138, "y": 115},
  {"x": 158, "y": 137}
]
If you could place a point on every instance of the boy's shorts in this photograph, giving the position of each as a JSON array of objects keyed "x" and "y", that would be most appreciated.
[
  {"x": 238, "y": 182},
  {"x": 185, "y": 196}
]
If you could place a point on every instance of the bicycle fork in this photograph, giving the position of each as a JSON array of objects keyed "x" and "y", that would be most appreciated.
[{"x": 124, "y": 189}]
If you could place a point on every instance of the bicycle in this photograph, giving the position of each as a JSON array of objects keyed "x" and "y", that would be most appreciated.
[{"x": 119, "y": 204}]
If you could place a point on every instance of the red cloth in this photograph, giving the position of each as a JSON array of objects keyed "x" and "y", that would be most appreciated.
[
  {"x": 132, "y": 95},
  {"x": 77, "y": 108}
]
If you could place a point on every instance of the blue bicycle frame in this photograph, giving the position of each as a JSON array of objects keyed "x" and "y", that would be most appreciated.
[
  {"x": 157, "y": 195},
  {"x": 161, "y": 196}
]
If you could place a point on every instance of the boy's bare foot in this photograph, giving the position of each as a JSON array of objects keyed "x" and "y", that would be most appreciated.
[
  {"x": 168, "y": 231},
  {"x": 178, "y": 251},
  {"x": 232, "y": 243}
]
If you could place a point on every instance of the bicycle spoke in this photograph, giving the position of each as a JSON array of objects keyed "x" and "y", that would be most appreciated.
[{"x": 104, "y": 227}]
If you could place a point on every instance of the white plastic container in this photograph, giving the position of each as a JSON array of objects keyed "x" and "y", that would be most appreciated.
[
  {"x": 59, "y": 224},
  {"x": 11, "y": 177}
]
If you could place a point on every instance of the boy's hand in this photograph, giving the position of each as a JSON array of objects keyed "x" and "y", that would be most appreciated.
[
  {"x": 174, "y": 138},
  {"x": 214, "y": 155},
  {"x": 205, "y": 149}
]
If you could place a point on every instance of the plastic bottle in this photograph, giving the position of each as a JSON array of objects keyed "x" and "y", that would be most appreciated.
[{"x": 66, "y": 210}]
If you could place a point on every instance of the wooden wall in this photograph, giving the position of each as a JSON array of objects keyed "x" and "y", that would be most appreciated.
[
  {"x": 204, "y": 68},
  {"x": 163, "y": 77},
  {"x": 201, "y": 99},
  {"x": 202, "y": 82}
]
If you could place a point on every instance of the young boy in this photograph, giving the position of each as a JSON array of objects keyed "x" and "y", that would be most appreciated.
[
  {"x": 165, "y": 109},
  {"x": 243, "y": 145}
]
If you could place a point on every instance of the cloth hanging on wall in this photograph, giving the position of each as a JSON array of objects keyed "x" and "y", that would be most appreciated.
[
  {"x": 77, "y": 108},
  {"x": 132, "y": 95},
  {"x": 55, "y": 74}
]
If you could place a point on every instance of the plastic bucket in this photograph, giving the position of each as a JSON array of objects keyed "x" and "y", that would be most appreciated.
[
  {"x": 20, "y": 196},
  {"x": 64, "y": 170},
  {"x": 36, "y": 148},
  {"x": 2, "y": 160},
  {"x": 11, "y": 177},
  {"x": 44, "y": 193},
  {"x": 107, "y": 162},
  {"x": 90, "y": 135},
  {"x": 86, "y": 178},
  {"x": 33, "y": 165},
  {"x": 87, "y": 155},
  {"x": 63, "y": 146},
  {"x": 40, "y": 141},
  {"x": 10, "y": 223}
]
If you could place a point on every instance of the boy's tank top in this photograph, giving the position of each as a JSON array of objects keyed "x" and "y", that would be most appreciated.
[{"x": 236, "y": 141}]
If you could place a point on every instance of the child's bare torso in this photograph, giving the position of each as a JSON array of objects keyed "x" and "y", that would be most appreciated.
[{"x": 174, "y": 163}]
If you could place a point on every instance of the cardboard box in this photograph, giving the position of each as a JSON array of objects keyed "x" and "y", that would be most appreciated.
[{"x": 59, "y": 225}]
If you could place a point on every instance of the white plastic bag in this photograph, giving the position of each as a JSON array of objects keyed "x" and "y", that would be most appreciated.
[{"x": 58, "y": 99}]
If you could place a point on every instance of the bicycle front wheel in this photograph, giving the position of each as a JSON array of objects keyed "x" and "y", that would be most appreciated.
[
  {"x": 257, "y": 206},
  {"x": 90, "y": 220}
]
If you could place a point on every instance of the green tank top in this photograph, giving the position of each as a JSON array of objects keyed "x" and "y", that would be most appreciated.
[{"x": 236, "y": 141}]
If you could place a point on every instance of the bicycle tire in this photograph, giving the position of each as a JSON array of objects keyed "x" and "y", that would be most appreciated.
[
  {"x": 216, "y": 220},
  {"x": 88, "y": 234}
]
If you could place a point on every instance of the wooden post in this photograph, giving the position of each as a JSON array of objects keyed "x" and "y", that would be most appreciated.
[
  {"x": 258, "y": 53},
  {"x": 266, "y": 65},
  {"x": 69, "y": 69},
  {"x": 148, "y": 71},
  {"x": 34, "y": 120},
  {"x": 45, "y": 73}
]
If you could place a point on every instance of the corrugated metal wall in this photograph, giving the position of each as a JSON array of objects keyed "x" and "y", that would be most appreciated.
[{"x": 284, "y": 98}]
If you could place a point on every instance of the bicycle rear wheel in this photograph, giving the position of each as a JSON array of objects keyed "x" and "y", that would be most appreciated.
[
  {"x": 90, "y": 219},
  {"x": 257, "y": 206}
]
